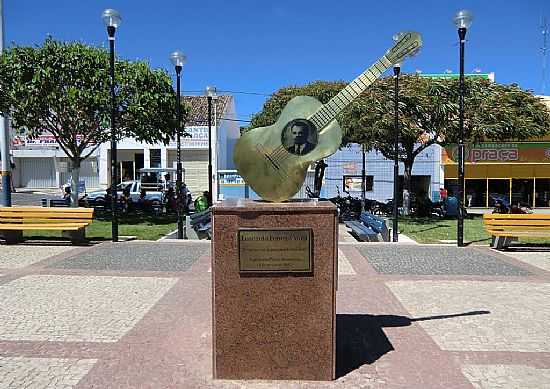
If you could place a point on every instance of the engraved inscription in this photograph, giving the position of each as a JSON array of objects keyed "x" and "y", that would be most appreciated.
[{"x": 275, "y": 250}]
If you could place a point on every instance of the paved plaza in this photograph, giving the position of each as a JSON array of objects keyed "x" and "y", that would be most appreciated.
[{"x": 138, "y": 315}]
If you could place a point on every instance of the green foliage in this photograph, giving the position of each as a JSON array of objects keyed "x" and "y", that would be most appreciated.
[
  {"x": 428, "y": 113},
  {"x": 64, "y": 88}
]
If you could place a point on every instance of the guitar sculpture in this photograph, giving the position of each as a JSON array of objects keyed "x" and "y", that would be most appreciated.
[{"x": 274, "y": 160}]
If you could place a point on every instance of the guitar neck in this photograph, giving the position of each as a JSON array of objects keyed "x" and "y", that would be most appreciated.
[{"x": 328, "y": 112}]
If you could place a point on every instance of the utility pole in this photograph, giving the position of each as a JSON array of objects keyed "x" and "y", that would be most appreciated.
[{"x": 5, "y": 169}]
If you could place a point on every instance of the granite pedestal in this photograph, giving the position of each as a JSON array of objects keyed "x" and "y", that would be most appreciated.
[{"x": 273, "y": 324}]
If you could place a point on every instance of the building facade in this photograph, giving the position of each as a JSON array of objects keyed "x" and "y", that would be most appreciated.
[{"x": 40, "y": 162}]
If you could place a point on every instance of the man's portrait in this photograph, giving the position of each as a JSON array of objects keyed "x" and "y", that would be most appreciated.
[{"x": 299, "y": 137}]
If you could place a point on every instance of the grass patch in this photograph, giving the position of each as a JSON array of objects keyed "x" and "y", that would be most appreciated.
[
  {"x": 143, "y": 226},
  {"x": 432, "y": 230}
]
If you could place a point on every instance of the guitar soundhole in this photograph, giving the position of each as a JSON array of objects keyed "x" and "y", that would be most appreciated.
[{"x": 299, "y": 137}]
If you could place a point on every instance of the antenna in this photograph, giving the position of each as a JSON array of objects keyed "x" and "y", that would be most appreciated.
[{"x": 544, "y": 28}]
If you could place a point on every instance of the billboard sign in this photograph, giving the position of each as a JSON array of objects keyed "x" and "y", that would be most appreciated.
[{"x": 198, "y": 139}]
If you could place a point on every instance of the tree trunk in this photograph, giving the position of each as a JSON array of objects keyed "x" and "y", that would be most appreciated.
[
  {"x": 407, "y": 177},
  {"x": 407, "y": 174},
  {"x": 75, "y": 176}
]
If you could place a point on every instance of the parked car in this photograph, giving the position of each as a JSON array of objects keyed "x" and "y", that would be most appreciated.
[
  {"x": 98, "y": 198},
  {"x": 154, "y": 181}
]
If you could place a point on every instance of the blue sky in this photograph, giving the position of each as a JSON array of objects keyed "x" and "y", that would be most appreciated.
[{"x": 260, "y": 46}]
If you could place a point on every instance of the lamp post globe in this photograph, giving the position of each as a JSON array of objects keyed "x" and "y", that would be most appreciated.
[
  {"x": 462, "y": 20},
  {"x": 178, "y": 59},
  {"x": 111, "y": 18},
  {"x": 211, "y": 91},
  {"x": 112, "y": 21}
]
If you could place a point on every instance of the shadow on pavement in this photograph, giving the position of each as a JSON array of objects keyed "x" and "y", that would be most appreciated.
[
  {"x": 55, "y": 241},
  {"x": 360, "y": 339},
  {"x": 528, "y": 247}
]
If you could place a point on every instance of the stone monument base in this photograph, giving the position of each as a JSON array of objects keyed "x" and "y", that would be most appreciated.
[{"x": 274, "y": 306}]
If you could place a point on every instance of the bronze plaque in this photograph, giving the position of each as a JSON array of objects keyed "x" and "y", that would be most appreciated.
[{"x": 275, "y": 250}]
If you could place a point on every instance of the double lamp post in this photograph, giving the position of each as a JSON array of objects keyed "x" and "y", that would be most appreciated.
[
  {"x": 112, "y": 20},
  {"x": 463, "y": 20}
]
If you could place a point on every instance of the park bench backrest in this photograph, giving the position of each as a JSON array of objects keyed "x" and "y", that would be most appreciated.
[
  {"x": 41, "y": 215},
  {"x": 374, "y": 222},
  {"x": 516, "y": 222}
]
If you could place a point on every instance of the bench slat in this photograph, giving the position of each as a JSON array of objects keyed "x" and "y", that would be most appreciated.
[
  {"x": 521, "y": 216},
  {"x": 43, "y": 210},
  {"x": 62, "y": 211},
  {"x": 42, "y": 220},
  {"x": 534, "y": 234},
  {"x": 518, "y": 228},
  {"x": 20, "y": 227},
  {"x": 517, "y": 222}
]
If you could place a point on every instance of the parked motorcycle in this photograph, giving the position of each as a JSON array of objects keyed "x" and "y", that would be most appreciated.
[{"x": 349, "y": 207}]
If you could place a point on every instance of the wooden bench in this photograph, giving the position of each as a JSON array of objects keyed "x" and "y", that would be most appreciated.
[
  {"x": 71, "y": 221},
  {"x": 505, "y": 228}
]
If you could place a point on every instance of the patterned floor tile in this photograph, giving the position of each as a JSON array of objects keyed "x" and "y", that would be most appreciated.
[
  {"x": 76, "y": 308},
  {"x": 518, "y": 318}
]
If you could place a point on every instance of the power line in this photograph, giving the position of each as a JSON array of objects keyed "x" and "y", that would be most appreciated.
[
  {"x": 237, "y": 120},
  {"x": 229, "y": 91}
]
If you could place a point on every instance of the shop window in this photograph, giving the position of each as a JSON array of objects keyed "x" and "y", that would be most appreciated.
[
  {"x": 452, "y": 187},
  {"x": 522, "y": 191},
  {"x": 353, "y": 182},
  {"x": 542, "y": 192},
  {"x": 155, "y": 159},
  {"x": 499, "y": 189},
  {"x": 475, "y": 192}
]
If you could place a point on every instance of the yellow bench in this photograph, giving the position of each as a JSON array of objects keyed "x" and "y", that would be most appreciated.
[
  {"x": 71, "y": 221},
  {"x": 504, "y": 228}
]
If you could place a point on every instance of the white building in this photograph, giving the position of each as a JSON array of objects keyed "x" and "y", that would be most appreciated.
[{"x": 40, "y": 162}]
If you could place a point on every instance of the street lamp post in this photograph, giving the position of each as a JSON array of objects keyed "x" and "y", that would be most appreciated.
[
  {"x": 210, "y": 94},
  {"x": 5, "y": 168},
  {"x": 462, "y": 20},
  {"x": 363, "y": 178},
  {"x": 396, "y": 72},
  {"x": 112, "y": 20},
  {"x": 178, "y": 60}
]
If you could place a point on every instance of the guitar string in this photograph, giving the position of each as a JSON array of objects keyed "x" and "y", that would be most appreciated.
[
  {"x": 282, "y": 174},
  {"x": 351, "y": 91}
]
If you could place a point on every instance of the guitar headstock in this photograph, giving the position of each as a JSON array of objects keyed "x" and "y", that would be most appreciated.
[{"x": 407, "y": 44}]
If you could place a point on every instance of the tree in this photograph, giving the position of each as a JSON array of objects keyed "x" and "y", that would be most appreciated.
[
  {"x": 64, "y": 89},
  {"x": 428, "y": 114}
]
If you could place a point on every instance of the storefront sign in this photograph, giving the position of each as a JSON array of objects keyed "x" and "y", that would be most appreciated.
[
  {"x": 198, "y": 139},
  {"x": 44, "y": 140},
  {"x": 499, "y": 152},
  {"x": 230, "y": 179}
]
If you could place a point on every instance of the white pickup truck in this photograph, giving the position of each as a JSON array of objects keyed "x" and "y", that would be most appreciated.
[
  {"x": 152, "y": 180},
  {"x": 154, "y": 196}
]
